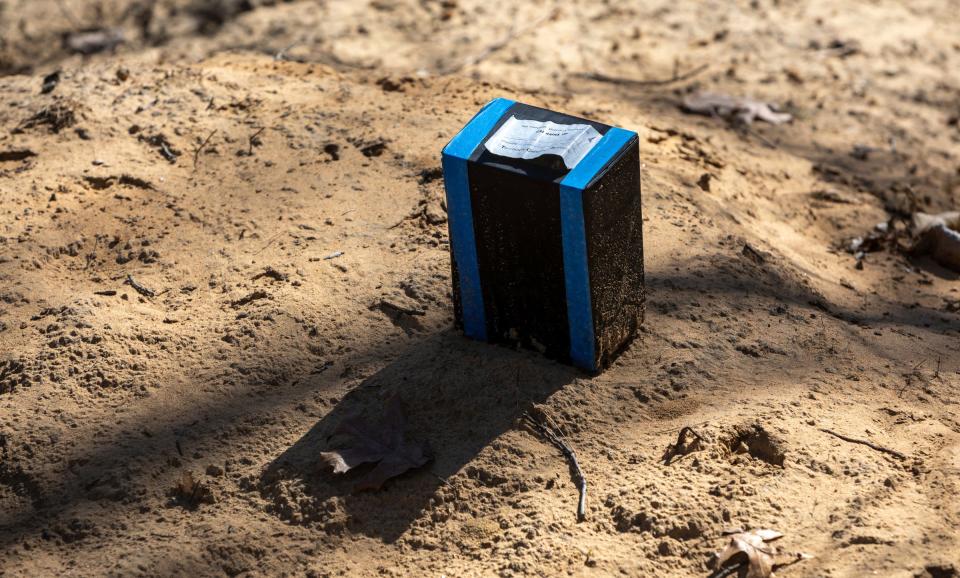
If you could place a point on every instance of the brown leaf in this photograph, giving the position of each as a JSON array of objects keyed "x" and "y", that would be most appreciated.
[
  {"x": 383, "y": 443},
  {"x": 938, "y": 235},
  {"x": 191, "y": 492},
  {"x": 737, "y": 108},
  {"x": 750, "y": 548}
]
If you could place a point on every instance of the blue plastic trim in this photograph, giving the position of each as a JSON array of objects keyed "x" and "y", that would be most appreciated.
[
  {"x": 460, "y": 213},
  {"x": 575, "y": 266}
]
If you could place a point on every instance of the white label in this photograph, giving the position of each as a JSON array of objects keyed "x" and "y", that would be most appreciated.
[{"x": 528, "y": 139}]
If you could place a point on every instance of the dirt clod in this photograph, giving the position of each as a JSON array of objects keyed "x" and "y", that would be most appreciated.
[{"x": 759, "y": 443}]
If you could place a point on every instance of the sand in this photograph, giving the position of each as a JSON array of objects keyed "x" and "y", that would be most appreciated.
[{"x": 283, "y": 219}]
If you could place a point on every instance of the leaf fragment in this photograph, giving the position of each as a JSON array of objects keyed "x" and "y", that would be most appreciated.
[
  {"x": 939, "y": 236},
  {"x": 383, "y": 443},
  {"x": 750, "y": 548}
]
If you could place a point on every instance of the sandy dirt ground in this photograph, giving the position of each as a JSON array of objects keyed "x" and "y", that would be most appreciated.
[{"x": 225, "y": 153}]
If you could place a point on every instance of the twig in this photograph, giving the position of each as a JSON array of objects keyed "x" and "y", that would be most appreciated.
[
  {"x": 680, "y": 448},
  {"x": 727, "y": 570},
  {"x": 145, "y": 291},
  {"x": 252, "y": 140},
  {"x": 441, "y": 479},
  {"x": 199, "y": 149},
  {"x": 166, "y": 152},
  {"x": 908, "y": 381},
  {"x": 282, "y": 55},
  {"x": 269, "y": 242},
  {"x": 869, "y": 444},
  {"x": 555, "y": 436},
  {"x": 599, "y": 77},
  {"x": 749, "y": 131},
  {"x": 512, "y": 35},
  {"x": 797, "y": 557}
]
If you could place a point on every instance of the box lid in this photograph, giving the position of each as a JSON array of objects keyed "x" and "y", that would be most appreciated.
[{"x": 539, "y": 143}]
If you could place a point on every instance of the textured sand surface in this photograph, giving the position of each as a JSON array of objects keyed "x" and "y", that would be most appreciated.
[{"x": 225, "y": 181}]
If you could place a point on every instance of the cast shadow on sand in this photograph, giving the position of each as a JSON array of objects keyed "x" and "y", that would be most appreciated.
[{"x": 457, "y": 395}]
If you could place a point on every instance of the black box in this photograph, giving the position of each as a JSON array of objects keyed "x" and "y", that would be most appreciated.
[{"x": 546, "y": 232}]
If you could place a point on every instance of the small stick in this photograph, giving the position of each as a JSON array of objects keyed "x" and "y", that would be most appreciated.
[
  {"x": 869, "y": 444},
  {"x": 269, "y": 242},
  {"x": 599, "y": 77},
  {"x": 441, "y": 480},
  {"x": 726, "y": 571},
  {"x": 553, "y": 434},
  {"x": 145, "y": 291},
  {"x": 282, "y": 55},
  {"x": 678, "y": 448},
  {"x": 253, "y": 139},
  {"x": 166, "y": 152},
  {"x": 749, "y": 131},
  {"x": 198, "y": 150},
  {"x": 913, "y": 372}
]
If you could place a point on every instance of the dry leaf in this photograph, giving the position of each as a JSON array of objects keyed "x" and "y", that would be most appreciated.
[
  {"x": 191, "y": 492},
  {"x": 750, "y": 548},
  {"x": 383, "y": 443},
  {"x": 740, "y": 109},
  {"x": 939, "y": 236}
]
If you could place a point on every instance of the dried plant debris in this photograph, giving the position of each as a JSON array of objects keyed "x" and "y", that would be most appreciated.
[
  {"x": 382, "y": 442},
  {"x": 539, "y": 421},
  {"x": 884, "y": 236},
  {"x": 750, "y": 555},
  {"x": 101, "y": 183},
  {"x": 163, "y": 146},
  {"x": 842, "y": 48},
  {"x": 140, "y": 288},
  {"x": 688, "y": 441},
  {"x": 190, "y": 492},
  {"x": 737, "y": 109},
  {"x": 832, "y": 196},
  {"x": 55, "y": 117},
  {"x": 938, "y": 236}
]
